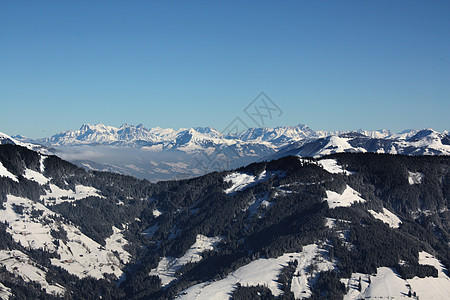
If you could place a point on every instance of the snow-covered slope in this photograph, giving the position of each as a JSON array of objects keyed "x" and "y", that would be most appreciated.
[
  {"x": 387, "y": 284},
  {"x": 347, "y": 198},
  {"x": 31, "y": 224},
  {"x": 265, "y": 272},
  {"x": 6, "y": 139},
  {"x": 169, "y": 265}
]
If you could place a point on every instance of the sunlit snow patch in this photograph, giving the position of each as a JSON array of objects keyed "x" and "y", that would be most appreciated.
[
  {"x": 430, "y": 287},
  {"x": 241, "y": 181},
  {"x": 332, "y": 166},
  {"x": 35, "y": 176},
  {"x": 386, "y": 284},
  {"x": 23, "y": 266},
  {"x": 347, "y": 198},
  {"x": 56, "y": 195},
  {"x": 168, "y": 265},
  {"x": 264, "y": 272},
  {"x": 258, "y": 203},
  {"x": 415, "y": 178},
  {"x": 338, "y": 144},
  {"x": 387, "y": 217},
  {"x": 5, "y": 292},
  {"x": 31, "y": 224},
  {"x": 116, "y": 242},
  {"x": 156, "y": 213},
  {"x": 5, "y": 173}
]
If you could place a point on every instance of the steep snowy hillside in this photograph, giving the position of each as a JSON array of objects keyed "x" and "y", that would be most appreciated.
[{"x": 347, "y": 225}]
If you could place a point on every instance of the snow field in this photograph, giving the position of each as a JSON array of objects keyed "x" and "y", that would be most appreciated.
[
  {"x": 346, "y": 199},
  {"x": 338, "y": 144},
  {"x": 258, "y": 202},
  {"x": 116, "y": 242},
  {"x": 79, "y": 254},
  {"x": 21, "y": 265},
  {"x": 56, "y": 195},
  {"x": 312, "y": 255},
  {"x": 5, "y": 173},
  {"x": 386, "y": 284},
  {"x": 241, "y": 181},
  {"x": 332, "y": 166},
  {"x": 36, "y": 176},
  {"x": 168, "y": 265},
  {"x": 387, "y": 217},
  {"x": 263, "y": 272}
]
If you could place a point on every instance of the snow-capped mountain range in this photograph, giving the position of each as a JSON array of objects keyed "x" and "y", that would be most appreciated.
[
  {"x": 139, "y": 136},
  {"x": 158, "y": 153}
]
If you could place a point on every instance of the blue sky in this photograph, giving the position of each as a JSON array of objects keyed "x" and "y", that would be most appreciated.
[{"x": 333, "y": 65}]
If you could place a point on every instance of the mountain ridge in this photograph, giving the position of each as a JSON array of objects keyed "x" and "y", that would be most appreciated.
[
  {"x": 287, "y": 229},
  {"x": 162, "y": 154}
]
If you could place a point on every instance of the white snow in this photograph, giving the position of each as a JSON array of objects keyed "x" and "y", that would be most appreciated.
[
  {"x": 116, "y": 242},
  {"x": 430, "y": 287},
  {"x": 312, "y": 255},
  {"x": 415, "y": 178},
  {"x": 241, "y": 181},
  {"x": 5, "y": 173},
  {"x": 263, "y": 272},
  {"x": 347, "y": 198},
  {"x": 168, "y": 265},
  {"x": 338, "y": 144},
  {"x": 332, "y": 166},
  {"x": 330, "y": 222},
  {"x": 258, "y": 202},
  {"x": 56, "y": 195},
  {"x": 5, "y": 292},
  {"x": 387, "y": 217},
  {"x": 35, "y": 176},
  {"x": 80, "y": 255},
  {"x": 41, "y": 163},
  {"x": 388, "y": 285},
  {"x": 156, "y": 213},
  {"x": 21, "y": 265},
  {"x": 385, "y": 285}
]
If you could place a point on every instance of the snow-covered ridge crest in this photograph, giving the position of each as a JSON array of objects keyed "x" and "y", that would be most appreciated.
[{"x": 6, "y": 139}]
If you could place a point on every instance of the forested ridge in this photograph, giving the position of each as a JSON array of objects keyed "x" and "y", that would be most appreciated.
[{"x": 294, "y": 215}]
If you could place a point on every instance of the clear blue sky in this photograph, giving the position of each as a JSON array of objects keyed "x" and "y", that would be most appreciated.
[{"x": 333, "y": 65}]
